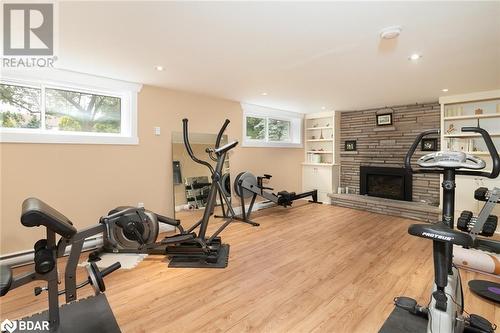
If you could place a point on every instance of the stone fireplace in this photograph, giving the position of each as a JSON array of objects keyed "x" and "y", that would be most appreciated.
[{"x": 374, "y": 172}]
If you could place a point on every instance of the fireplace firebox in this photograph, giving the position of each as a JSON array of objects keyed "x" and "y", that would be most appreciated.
[{"x": 385, "y": 182}]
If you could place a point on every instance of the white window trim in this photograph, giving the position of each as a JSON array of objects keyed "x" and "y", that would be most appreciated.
[
  {"x": 296, "y": 119},
  {"x": 68, "y": 80}
]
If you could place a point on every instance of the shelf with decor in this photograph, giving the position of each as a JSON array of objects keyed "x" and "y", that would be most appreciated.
[
  {"x": 319, "y": 152},
  {"x": 319, "y": 128},
  {"x": 474, "y": 116},
  {"x": 468, "y": 135},
  {"x": 319, "y": 140},
  {"x": 320, "y": 170},
  {"x": 470, "y": 110}
]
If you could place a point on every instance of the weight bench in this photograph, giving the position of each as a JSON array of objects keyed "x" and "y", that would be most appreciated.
[{"x": 78, "y": 316}]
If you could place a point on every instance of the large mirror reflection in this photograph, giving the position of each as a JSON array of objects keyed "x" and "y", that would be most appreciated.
[{"x": 192, "y": 181}]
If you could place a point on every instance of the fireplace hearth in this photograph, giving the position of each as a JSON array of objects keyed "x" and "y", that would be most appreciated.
[{"x": 386, "y": 182}]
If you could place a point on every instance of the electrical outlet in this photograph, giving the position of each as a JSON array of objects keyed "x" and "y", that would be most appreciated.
[{"x": 140, "y": 205}]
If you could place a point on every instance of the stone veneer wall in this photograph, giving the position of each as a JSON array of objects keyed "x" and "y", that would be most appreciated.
[{"x": 387, "y": 145}]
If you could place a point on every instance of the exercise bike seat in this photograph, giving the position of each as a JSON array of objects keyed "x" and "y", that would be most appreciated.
[
  {"x": 35, "y": 213},
  {"x": 440, "y": 232},
  {"x": 5, "y": 279}
]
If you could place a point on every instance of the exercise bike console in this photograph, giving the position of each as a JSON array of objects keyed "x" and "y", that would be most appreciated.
[{"x": 451, "y": 159}]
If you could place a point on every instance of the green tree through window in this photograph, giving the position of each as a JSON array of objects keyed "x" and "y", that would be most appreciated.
[
  {"x": 256, "y": 128},
  {"x": 279, "y": 130},
  {"x": 75, "y": 111},
  {"x": 19, "y": 106}
]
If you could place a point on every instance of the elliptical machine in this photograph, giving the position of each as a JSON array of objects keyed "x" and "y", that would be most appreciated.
[
  {"x": 135, "y": 230},
  {"x": 445, "y": 311}
]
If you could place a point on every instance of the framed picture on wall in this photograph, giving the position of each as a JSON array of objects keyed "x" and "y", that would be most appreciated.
[
  {"x": 350, "y": 145},
  {"x": 429, "y": 144},
  {"x": 384, "y": 119}
]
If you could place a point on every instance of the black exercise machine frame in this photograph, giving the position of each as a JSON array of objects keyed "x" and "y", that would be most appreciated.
[{"x": 260, "y": 190}]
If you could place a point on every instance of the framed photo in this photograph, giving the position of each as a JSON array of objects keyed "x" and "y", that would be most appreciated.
[
  {"x": 429, "y": 144},
  {"x": 384, "y": 119},
  {"x": 350, "y": 145}
]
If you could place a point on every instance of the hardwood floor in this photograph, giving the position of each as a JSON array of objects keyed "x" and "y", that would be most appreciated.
[{"x": 313, "y": 268}]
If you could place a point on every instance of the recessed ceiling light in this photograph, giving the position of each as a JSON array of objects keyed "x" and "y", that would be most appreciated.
[
  {"x": 323, "y": 108},
  {"x": 415, "y": 56},
  {"x": 390, "y": 32},
  {"x": 263, "y": 94},
  {"x": 444, "y": 90},
  {"x": 159, "y": 68}
]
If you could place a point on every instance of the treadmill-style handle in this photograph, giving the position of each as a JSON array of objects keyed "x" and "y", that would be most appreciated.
[
  {"x": 185, "y": 134},
  {"x": 491, "y": 149},
  {"x": 414, "y": 146}
]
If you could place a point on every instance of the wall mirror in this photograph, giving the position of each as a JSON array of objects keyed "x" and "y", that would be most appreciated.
[{"x": 191, "y": 180}]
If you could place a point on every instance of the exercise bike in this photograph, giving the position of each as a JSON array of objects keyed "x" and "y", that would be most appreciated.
[
  {"x": 91, "y": 314},
  {"x": 446, "y": 305}
]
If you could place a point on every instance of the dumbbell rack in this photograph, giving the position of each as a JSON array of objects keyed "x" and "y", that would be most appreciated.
[{"x": 485, "y": 225}]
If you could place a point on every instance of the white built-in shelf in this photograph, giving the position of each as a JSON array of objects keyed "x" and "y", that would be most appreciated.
[
  {"x": 478, "y": 152},
  {"x": 468, "y": 135},
  {"x": 474, "y": 116},
  {"x": 319, "y": 152},
  {"x": 319, "y": 140},
  {"x": 317, "y": 164},
  {"x": 318, "y": 128}
]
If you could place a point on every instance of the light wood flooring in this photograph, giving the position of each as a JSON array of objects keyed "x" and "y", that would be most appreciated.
[{"x": 312, "y": 268}]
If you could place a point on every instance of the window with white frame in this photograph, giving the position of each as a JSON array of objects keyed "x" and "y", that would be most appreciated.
[
  {"x": 266, "y": 127},
  {"x": 44, "y": 110}
]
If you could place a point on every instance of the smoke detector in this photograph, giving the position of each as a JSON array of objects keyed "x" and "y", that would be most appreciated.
[{"x": 390, "y": 32}]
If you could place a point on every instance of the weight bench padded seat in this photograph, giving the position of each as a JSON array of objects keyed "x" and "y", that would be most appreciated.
[
  {"x": 5, "y": 279},
  {"x": 35, "y": 213},
  {"x": 440, "y": 232}
]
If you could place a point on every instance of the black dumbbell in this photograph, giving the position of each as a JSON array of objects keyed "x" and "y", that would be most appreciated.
[
  {"x": 44, "y": 258},
  {"x": 480, "y": 194},
  {"x": 464, "y": 220},
  {"x": 490, "y": 226}
]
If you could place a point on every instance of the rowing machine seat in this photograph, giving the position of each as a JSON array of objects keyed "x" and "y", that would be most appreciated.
[
  {"x": 35, "y": 213},
  {"x": 285, "y": 198}
]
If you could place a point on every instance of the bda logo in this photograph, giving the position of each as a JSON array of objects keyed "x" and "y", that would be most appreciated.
[{"x": 8, "y": 326}]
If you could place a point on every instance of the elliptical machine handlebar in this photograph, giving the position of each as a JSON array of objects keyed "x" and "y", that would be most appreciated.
[
  {"x": 489, "y": 144},
  {"x": 185, "y": 134},
  {"x": 221, "y": 133}
]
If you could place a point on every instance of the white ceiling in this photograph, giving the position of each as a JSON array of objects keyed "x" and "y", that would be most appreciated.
[{"x": 304, "y": 55}]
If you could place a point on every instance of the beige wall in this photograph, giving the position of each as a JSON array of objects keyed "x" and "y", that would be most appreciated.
[{"x": 85, "y": 181}]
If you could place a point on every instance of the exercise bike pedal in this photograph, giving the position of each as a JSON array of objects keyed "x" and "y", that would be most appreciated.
[
  {"x": 479, "y": 324},
  {"x": 410, "y": 305}
]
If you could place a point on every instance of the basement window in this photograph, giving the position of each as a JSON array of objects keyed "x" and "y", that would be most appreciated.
[
  {"x": 266, "y": 127},
  {"x": 83, "y": 109}
]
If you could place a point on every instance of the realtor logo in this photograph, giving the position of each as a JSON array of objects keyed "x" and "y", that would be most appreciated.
[{"x": 28, "y": 29}]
